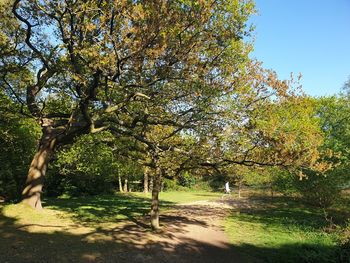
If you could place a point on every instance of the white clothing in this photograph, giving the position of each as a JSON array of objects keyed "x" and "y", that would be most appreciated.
[{"x": 227, "y": 187}]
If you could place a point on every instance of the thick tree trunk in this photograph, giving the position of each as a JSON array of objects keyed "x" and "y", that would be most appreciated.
[
  {"x": 120, "y": 184},
  {"x": 31, "y": 194},
  {"x": 155, "y": 199},
  {"x": 145, "y": 180}
]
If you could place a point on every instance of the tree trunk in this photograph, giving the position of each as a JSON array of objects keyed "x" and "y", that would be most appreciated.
[
  {"x": 162, "y": 186},
  {"x": 145, "y": 180},
  {"x": 126, "y": 185},
  {"x": 151, "y": 184},
  {"x": 120, "y": 184},
  {"x": 239, "y": 189},
  {"x": 155, "y": 199},
  {"x": 271, "y": 190},
  {"x": 31, "y": 194}
]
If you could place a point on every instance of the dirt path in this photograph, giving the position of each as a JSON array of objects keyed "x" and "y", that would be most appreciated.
[{"x": 191, "y": 233}]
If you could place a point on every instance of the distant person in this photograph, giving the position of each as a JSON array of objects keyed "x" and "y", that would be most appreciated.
[{"x": 227, "y": 188}]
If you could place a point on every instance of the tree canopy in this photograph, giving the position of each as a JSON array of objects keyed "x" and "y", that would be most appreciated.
[{"x": 174, "y": 77}]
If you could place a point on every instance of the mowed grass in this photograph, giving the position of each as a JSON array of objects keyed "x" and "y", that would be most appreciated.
[
  {"x": 121, "y": 206},
  {"x": 91, "y": 228},
  {"x": 183, "y": 197},
  {"x": 91, "y": 210},
  {"x": 282, "y": 230}
]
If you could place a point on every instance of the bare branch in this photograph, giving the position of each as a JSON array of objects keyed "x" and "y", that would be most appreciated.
[{"x": 29, "y": 33}]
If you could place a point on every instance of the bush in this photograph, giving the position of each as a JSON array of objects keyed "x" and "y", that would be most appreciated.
[
  {"x": 187, "y": 180},
  {"x": 319, "y": 190},
  {"x": 54, "y": 182},
  {"x": 202, "y": 186},
  {"x": 170, "y": 185}
]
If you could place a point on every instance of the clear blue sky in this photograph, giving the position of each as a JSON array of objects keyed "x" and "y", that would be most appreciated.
[{"x": 307, "y": 36}]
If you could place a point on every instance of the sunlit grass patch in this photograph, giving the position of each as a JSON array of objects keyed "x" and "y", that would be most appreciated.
[
  {"x": 33, "y": 219},
  {"x": 27, "y": 235},
  {"x": 182, "y": 197},
  {"x": 282, "y": 233}
]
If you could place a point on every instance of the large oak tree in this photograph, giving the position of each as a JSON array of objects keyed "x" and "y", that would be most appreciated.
[
  {"x": 90, "y": 59},
  {"x": 148, "y": 70}
]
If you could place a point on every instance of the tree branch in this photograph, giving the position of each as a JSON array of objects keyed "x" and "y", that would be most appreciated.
[{"x": 29, "y": 33}]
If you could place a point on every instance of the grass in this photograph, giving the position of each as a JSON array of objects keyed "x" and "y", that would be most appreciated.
[
  {"x": 101, "y": 209},
  {"x": 25, "y": 216},
  {"x": 84, "y": 229},
  {"x": 183, "y": 197},
  {"x": 48, "y": 236},
  {"x": 282, "y": 230},
  {"x": 93, "y": 210}
]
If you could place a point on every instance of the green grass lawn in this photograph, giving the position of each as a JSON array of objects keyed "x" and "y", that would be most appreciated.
[
  {"x": 183, "y": 197},
  {"x": 94, "y": 211},
  {"x": 282, "y": 230},
  {"x": 264, "y": 229},
  {"x": 101, "y": 209},
  {"x": 91, "y": 210}
]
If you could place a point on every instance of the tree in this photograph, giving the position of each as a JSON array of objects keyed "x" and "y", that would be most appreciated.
[
  {"x": 267, "y": 123},
  {"x": 92, "y": 58},
  {"x": 324, "y": 189},
  {"x": 154, "y": 71},
  {"x": 93, "y": 164},
  {"x": 321, "y": 185},
  {"x": 346, "y": 89}
]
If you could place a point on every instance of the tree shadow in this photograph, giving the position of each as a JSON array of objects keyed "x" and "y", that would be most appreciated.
[
  {"x": 130, "y": 243},
  {"x": 291, "y": 253},
  {"x": 285, "y": 210},
  {"x": 104, "y": 209},
  {"x": 285, "y": 216}
]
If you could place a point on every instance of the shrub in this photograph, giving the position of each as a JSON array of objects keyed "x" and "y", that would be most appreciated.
[
  {"x": 319, "y": 190},
  {"x": 187, "y": 180},
  {"x": 170, "y": 184}
]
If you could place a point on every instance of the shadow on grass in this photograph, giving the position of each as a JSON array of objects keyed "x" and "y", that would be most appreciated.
[
  {"x": 132, "y": 241},
  {"x": 280, "y": 229},
  {"x": 127, "y": 243},
  {"x": 291, "y": 212},
  {"x": 294, "y": 253},
  {"x": 103, "y": 209}
]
